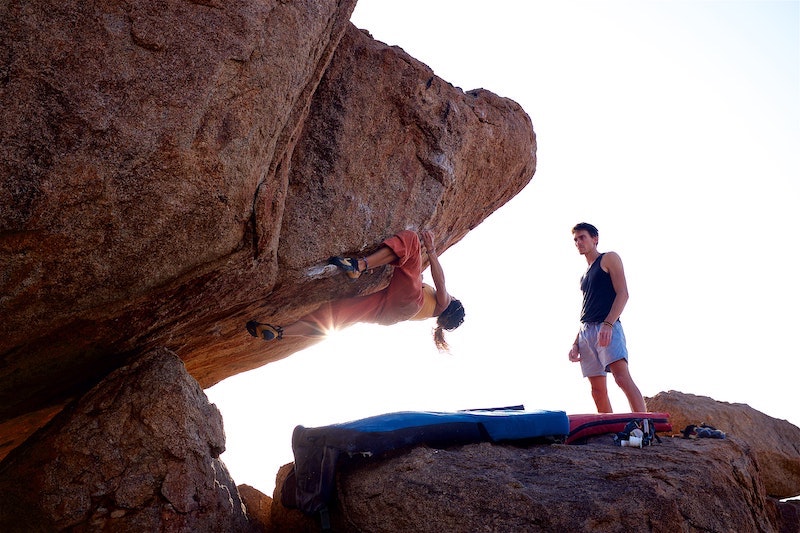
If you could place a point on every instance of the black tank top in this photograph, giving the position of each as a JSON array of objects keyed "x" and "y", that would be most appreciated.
[{"x": 598, "y": 293}]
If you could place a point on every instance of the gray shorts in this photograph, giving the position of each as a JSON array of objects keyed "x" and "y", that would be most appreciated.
[{"x": 595, "y": 360}]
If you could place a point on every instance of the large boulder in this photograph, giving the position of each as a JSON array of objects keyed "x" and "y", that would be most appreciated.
[
  {"x": 172, "y": 169},
  {"x": 680, "y": 485},
  {"x": 775, "y": 443},
  {"x": 688, "y": 484},
  {"x": 386, "y": 146},
  {"x": 136, "y": 140},
  {"x": 139, "y": 452}
]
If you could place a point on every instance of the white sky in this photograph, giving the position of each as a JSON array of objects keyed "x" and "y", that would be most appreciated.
[{"x": 672, "y": 126}]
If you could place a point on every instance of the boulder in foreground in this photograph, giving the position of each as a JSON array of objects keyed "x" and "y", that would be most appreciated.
[
  {"x": 775, "y": 443},
  {"x": 139, "y": 452},
  {"x": 697, "y": 484}
]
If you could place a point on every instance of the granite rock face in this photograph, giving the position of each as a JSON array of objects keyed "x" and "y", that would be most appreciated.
[
  {"x": 171, "y": 170},
  {"x": 139, "y": 452},
  {"x": 135, "y": 141},
  {"x": 775, "y": 443},
  {"x": 680, "y": 484},
  {"x": 703, "y": 485}
]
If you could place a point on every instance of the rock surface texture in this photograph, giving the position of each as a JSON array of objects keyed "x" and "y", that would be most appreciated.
[
  {"x": 171, "y": 170},
  {"x": 139, "y": 452},
  {"x": 775, "y": 443},
  {"x": 678, "y": 485}
]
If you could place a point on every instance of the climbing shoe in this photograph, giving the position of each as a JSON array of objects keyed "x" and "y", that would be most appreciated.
[
  {"x": 265, "y": 331},
  {"x": 349, "y": 265}
]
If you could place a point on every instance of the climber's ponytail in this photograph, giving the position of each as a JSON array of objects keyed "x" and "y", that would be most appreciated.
[{"x": 438, "y": 338}]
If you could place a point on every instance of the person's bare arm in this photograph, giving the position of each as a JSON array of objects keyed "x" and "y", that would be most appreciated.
[
  {"x": 574, "y": 354},
  {"x": 612, "y": 263},
  {"x": 437, "y": 273}
]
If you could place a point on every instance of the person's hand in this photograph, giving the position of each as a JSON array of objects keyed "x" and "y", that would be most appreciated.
[
  {"x": 574, "y": 354},
  {"x": 427, "y": 240},
  {"x": 604, "y": 335}
]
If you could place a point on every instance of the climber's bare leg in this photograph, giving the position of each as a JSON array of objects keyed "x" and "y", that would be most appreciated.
[
  {"x": 301, "y": 328},
  {"x": 382, "y": 256}
]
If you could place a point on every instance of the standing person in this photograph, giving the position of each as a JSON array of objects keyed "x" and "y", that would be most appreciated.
[
  {"x": 405, "y": 298},
  {"x": 600, "y": 344}
]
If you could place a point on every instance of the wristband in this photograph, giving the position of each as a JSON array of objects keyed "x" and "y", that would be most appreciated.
[{"x": 607, "y": 323}]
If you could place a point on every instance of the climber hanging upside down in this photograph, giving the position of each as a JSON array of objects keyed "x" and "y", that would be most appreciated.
[{"x": 405, "y": 298}]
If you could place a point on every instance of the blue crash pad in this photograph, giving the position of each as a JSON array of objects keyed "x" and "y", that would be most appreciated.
[{"x": 317, "y": 450}]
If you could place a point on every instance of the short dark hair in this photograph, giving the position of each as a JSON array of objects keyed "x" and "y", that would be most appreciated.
[{"x": 586, "y": 226}]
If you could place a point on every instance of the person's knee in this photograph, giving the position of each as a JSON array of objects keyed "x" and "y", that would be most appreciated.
[
  {"x": 619, "y": 369},
  {"x": 412, "y": 242},
  {"x": 621, "y": 377},
  {"x": 406, "y": 248},
  {"x": 625, "y": 381},
  {"x": 409, "y": 238},
  {"x": 627, "y": 385},
  {"x": 598, "y": 387}
]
